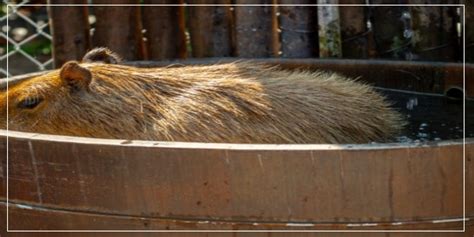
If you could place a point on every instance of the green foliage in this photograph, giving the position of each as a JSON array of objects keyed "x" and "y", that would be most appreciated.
[
  {"x": 3, "y": 9},
  {"x": 33, "y": 48}
]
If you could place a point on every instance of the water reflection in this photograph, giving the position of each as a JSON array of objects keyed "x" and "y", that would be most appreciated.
[{"x": 432, "y": 118}]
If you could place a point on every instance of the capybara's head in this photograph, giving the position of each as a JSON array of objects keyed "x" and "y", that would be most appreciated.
[
  {"x": 58, "y": 102},
  {"x": 34, "y": 102}
]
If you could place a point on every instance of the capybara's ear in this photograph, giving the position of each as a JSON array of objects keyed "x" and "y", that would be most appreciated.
[
  {"x": 75, "y": 77},
  {"x": 103, "y": 55}
]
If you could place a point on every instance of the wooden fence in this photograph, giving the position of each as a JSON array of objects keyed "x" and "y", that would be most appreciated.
[{"x": 429, "y": 33}]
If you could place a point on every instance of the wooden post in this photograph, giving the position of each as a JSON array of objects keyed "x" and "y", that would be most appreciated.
[
  {"x": 119, "y": 28},
  {"x": 434, "y": 32},
  {"x": 329, "y": 30},
  {"x": 165, "y": 31},
  {"x": 254, "y": 29},
  {"x": 354, "y": 34},
  {"x": 389, "y": 24},
  {"x": 299, "y": 29},
  {"x": 70, "y": 31},
  {"x": 210, "y": 29}
]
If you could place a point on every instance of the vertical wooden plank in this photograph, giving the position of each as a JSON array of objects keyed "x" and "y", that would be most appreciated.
[
  {"x": 354, "y": 32},
  {"x": 70, "y": 31},
  {"x": 164, "y": 30},
  {"x": 469, "y": 8},
  {"x": 329, "y": 30},
  {"x": 210, "y": 29},
  {"x": 119, "y": 28},
  {"x": 23, "y": 179},
  {"x": 389, "y": 24},
  {"x": 299, "y": 29},
  {"x": 254, "y": 29},
  {"x": 457, "y": 38},
  {"x": 434, "y": 32}
]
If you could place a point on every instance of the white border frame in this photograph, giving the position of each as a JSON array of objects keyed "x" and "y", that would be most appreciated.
[{"x": 256, "y": 5}]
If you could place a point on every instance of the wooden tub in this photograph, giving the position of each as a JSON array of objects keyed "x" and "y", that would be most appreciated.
[{"x": 75, "y": 183}]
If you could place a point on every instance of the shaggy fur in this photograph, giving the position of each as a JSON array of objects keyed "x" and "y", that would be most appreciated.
[{"x": 241, "y": 102}]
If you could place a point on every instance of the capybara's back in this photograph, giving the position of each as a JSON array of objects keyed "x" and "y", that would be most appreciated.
[{"x": 241, "y": 102}]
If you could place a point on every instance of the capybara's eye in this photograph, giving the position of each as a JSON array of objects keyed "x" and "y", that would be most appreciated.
[{"x": 30, "y": 102}]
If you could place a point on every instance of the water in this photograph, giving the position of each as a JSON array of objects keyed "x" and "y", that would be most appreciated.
[{"x": 431, "y": 117}]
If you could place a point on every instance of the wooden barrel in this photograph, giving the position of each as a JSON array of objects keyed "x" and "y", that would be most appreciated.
[{"x": 76, "y": 183}]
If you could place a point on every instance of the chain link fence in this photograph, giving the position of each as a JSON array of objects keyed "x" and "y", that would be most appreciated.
[{"x": 26, "y": 40}]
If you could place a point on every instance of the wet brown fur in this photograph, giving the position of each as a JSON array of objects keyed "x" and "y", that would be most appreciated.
[{"x": 241, "y": 102}]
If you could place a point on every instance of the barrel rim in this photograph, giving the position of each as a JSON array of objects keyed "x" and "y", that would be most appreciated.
[
  {"x": 302, "y": 61},
  {"x": 226, "y": 146}
]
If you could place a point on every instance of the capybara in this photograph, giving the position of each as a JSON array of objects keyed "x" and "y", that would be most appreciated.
[{"x": 240, "y": 102}]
